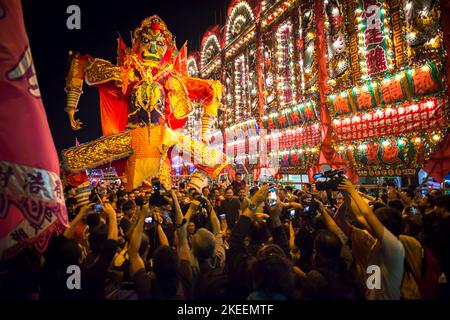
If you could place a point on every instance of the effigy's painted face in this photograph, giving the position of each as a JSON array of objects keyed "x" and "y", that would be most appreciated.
[
  {"x": 152, "y": 40},
  {"x": 152, "y": 45}
]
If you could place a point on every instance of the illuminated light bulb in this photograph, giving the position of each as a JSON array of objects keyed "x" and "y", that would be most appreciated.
[
  {"x": 341, "y": 148},
  {"x": 386, "y": 143},
  {"x": 362, "y": 147},
  {"x": 400, "y": 142},
  {"x": 417, "y": 140},
  {"x": 436, "y": 137},
  {"x": 399, "y": 76},
  {"x": 365, "y": 87},
  {"x": 425, "y": 68},
  {"x": 343, "y": 94}
]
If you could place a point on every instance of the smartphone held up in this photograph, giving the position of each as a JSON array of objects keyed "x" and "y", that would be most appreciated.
[{"x": 272, "y": 197}]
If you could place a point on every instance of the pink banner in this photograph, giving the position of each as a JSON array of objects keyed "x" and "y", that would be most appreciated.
[{"x": 31, "y": 199}]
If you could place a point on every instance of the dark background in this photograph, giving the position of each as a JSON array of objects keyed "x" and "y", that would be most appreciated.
[{"x": 101, "y": 21}]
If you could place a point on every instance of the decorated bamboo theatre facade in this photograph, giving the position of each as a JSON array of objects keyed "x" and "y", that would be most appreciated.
[{"x": 357, "y": 81}]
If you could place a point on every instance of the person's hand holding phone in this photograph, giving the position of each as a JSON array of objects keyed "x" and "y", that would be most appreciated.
[
  {"x": 319, "y": 204},
  {"x": 292, "y": 213},
  {"x": 157, "y": 217},
  {"x": 98, "y": 208},
  {"x": 173, "y": 194},
  {"x": 86, "y": 209},
  {"x": 108, "y": 209}
]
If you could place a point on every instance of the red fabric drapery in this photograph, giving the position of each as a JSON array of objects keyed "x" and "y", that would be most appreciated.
[
  {"x": 113, "y": 110},
  {"x": 328, "y": 156},
  {"x": 76, "y": 179},
  {"x": 439, "y": 164}
]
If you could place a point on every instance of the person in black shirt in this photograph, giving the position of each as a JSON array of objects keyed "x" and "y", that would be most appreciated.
[
  {"x": 231, "y": 207},
  {"x": 238, "y": 183}
]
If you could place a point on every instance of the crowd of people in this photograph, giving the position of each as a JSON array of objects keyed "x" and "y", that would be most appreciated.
[{"x": 233, "y": 241}]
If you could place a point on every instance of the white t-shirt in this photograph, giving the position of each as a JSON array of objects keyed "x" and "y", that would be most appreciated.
[{"x": 389, "y": 255}]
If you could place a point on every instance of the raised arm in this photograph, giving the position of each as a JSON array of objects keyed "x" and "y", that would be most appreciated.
[
  {"x": 329, "y": 222},
  {"x": 368, "y": 197},
  {"x": 74, "y": 86},
  {"x": 376, "y": 227},
  {"x": 278, "y": 233},
  {"x": 95, "y": 71},
  {"x": 68, "y": 233},
  {"x": 136, "y": 262},
  {"x": 291, "y": 236},
  {"x": 294, "y": 205},
  {"x": 113, "y": 232},
  {"x": 162, "y": 237},
  {"x": 356, "y": 211},
  {"x": 183, "y": 246},
  {"x": 209, "y": 92},
  {"x": 215, "y": 222},
  {"x": 341, "y": 220}
]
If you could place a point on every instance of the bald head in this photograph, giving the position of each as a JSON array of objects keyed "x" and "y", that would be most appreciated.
[{"x": 203, "y": 244}]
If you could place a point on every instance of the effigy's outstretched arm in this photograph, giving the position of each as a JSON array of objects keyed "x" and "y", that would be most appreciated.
[
  {"x": 95, "y": 71},
  {"x": 209, "y": 92},
  {"x": 74, "y": 86},
  {"x": 209, "y": 162}
]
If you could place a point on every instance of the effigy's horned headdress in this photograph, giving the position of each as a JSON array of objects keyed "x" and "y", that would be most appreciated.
[{"x": 155, "y": 24}]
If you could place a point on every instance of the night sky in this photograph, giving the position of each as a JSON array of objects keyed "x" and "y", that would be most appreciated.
[{"x": 101, "y": 21}]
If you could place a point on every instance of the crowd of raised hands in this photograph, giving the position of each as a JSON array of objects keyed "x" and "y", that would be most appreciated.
[{"x": 341, "y": 244}]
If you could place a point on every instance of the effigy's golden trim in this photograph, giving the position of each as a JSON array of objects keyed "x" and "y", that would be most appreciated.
[
  {"x": 179, "y": 98},
  {"x": 98, "y": 152},
  {"x": 100, "y": 71}
]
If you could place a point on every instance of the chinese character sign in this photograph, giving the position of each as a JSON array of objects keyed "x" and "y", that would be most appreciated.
[{"x": 374, "y": 38}]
